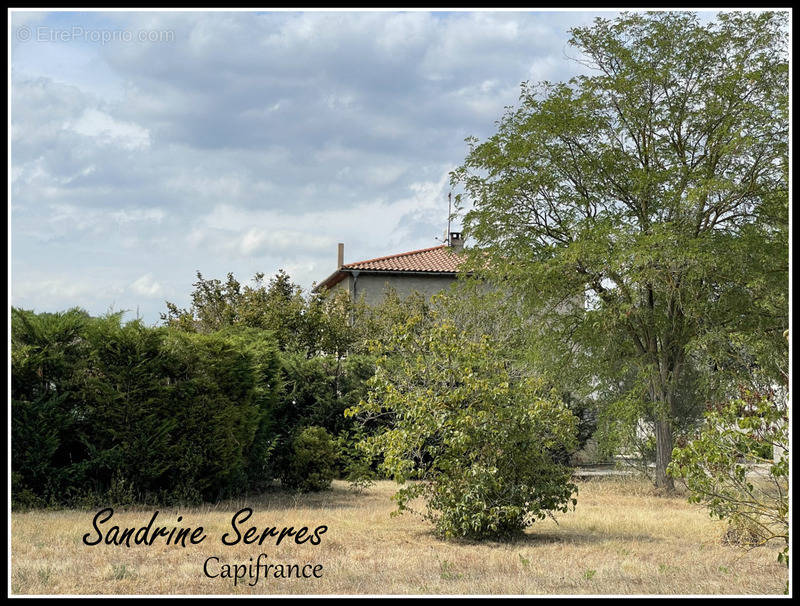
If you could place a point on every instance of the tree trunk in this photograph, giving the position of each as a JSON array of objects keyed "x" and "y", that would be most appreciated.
[{"x": 663, "y": 454}]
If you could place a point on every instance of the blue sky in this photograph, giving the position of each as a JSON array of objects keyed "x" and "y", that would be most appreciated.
[{"x": 246, "y": 142}]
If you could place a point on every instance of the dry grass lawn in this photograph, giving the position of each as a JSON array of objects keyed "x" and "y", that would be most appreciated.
[{"x": 622, "y": 539}]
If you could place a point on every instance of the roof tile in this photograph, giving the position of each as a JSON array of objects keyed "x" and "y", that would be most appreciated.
[{"x": 438, "y": 258}]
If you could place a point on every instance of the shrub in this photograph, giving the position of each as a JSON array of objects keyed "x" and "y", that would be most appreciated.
[
  {"x": 726, "y": 469},
  {"x": 313, "y": 463},
  {"x": 316, "y": 391},
  {"x": 261, "y": 348},
  {"x": 477, "y": 436},
  {"x": 47, "y": 353},
  {"x": 211, "y": 399}
]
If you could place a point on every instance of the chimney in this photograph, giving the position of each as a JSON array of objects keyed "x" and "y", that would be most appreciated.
[
  {"x": 340, "y": 258},
  {"x": 455, "y": 241}
]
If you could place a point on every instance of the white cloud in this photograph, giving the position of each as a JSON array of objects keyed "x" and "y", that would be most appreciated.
[
  {"x": 136, "y": 215},
  {"x": 44, "y": 293},
  {"x": 372, "y": 228},
  {"x": 108, "y": 131},
  {"x": 146, "y": 286},
  {"x": 50, "y": 288},
  {"x": 65, "y": 219}
]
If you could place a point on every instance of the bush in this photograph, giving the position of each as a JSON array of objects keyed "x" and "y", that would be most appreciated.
[
  {"x": 104, "y": 410},
  {"x": 320, "y": 338},
  {"x": 261, "y": 348},
  {"x": 728, "y": 469},
  {"x": 477, "y": 436},
  {"x": 212, "y": 399},
  {"x": 314, "y": 461},
  {"x": 316, "y": 391}
]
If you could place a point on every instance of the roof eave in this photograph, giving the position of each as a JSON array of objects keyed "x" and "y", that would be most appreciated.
[
  {"x": 340, "y": 275},
  {"x": 331, "y": 280}
]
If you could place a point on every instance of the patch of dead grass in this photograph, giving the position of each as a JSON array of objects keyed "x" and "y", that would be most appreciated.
[{"x": 622, "y": 539}]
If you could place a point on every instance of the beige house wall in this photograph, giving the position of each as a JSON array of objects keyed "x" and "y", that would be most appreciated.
[
  {"x": 372, "y": 287},
  {"x": 345, "y": 284}
]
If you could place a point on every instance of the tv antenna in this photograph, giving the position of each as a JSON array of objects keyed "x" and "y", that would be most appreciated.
[
  {"x": 449, "y": 211},
  {"x": 446, "y": 239}
]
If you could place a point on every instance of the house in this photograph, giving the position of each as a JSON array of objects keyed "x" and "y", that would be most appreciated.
[{"x": 427, "y": 271}]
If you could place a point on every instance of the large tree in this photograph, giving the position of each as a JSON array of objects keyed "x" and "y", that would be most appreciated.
[{"x": 653, "y": 189}]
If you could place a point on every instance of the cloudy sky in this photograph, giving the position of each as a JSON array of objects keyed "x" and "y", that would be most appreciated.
[{"x": 146, "y": 146}]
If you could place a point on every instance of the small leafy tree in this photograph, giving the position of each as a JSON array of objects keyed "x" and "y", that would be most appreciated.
[
  {"x": 739, "y": 467},
  {"x": 475, "y": 434},
  {"x": 277, "y": 306}
]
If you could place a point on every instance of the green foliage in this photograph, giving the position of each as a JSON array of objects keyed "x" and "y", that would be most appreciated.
[
  {"x": 359, "y": 466},
  {"x": 475, "y": 437},
  {"x": 316, "y": 391},
  {"x": 45, "y": 422},
  {"x": 318, "y": 324},
  {"x": 102, "y": 409},
  {"x": 380, "y": 320},
  {"x": 313, "y": 465},
  {"x": 275, "y": 306},
  {"x": 262, "y": 350},
  {"x": 640, "y": 212},
  {"x": 320, "y": 363},
  {"x": 738, "y": 467},
  {"x": 209, "y": 405},
  {"x": 479, "y": 307},
  {"x": 214, "y": 389}
]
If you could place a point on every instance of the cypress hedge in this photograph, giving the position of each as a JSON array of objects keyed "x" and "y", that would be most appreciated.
[{"x": 106, "y": 410}]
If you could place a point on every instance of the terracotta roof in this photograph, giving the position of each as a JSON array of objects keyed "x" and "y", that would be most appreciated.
[{"x": 437, "y": 259}]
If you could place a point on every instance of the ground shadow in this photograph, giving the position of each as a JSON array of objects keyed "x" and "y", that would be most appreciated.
[
  {"x": 574, "y": 538},
  {"x": 533, "y": 538}
]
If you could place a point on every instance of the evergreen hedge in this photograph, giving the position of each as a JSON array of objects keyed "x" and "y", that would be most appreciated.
[{"x": 106, "y": 410}]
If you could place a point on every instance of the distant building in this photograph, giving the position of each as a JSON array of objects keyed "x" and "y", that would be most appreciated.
[{"x": 427, "y": 271}]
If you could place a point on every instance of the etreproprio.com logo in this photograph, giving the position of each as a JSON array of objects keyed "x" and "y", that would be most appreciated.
[{"x": 77, "y": 33}]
